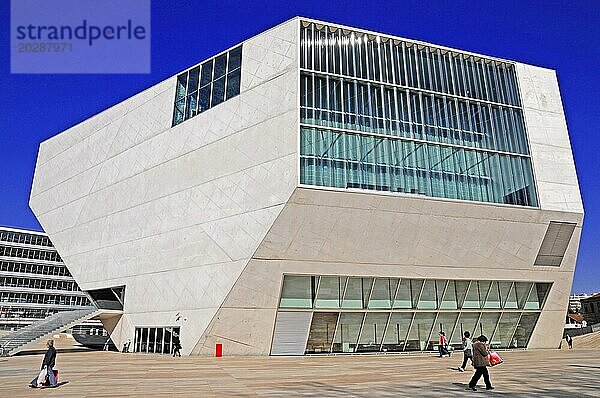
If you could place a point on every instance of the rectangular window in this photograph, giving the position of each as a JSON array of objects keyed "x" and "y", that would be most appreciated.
[
  {"x": 207, "y": 85},
  {"x": 417, "y": 310}
]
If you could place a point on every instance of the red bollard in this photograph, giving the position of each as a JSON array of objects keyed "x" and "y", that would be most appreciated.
[{"x": 219, "y": 350}]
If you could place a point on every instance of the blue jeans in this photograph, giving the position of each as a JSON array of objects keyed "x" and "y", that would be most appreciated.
[
  {"x": 51, "y": 377},
  {"x": 443, "y": 350}
]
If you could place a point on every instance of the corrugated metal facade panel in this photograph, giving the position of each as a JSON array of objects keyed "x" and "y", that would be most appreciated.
[
  {"x": 291, "y": 332},
  {"x": 555, "y": 243}
]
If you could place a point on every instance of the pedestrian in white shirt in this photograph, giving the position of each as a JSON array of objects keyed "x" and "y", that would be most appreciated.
[{"x": 467, "y": 351}]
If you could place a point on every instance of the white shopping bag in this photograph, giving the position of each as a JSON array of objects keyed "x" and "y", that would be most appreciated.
[{"x": 42, "y": 377}]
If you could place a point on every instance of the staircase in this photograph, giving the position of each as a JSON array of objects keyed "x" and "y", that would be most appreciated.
[
  {"x": 19, "y": 340},
  {"x": 590, "y": 340}
]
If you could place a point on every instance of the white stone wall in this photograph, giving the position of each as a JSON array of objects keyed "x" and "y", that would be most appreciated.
[
  {"x": 328, "y": 232},
  {"x": 552, "y": 158},
  {"x": 175, "y": 213}
]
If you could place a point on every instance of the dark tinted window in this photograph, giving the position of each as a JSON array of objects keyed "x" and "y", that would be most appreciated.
[
  {"x": 207, "y": 85},
  {"x": 206, "y": 73},
  {"x": 220, "y": 66},
  {"x": 233, "y": 84},
  {"x": 218, "y": 91}
]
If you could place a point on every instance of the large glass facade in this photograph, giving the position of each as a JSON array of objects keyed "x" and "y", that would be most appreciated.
[
  {"x": 155, "y": 340},
  {"x": 374, "y": 314},
  {"x": 207, "y": 85},
  {"x": 388, "y": 115}
]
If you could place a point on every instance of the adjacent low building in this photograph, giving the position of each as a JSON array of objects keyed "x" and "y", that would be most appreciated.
[
  {"x": 34, "y": 282},
  {"x": 575, "y": 302},
  {"x": 322, "y": 189},
  {"x": 590, "y": 309}
]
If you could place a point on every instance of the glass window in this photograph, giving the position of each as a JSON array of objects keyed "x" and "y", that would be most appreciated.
[
  {"x": 395, "y": 334},
  {"x": 445, "y": 322},
  {"x": 233, "y": 83},
  {"x": 296, "y": 292},
  {"x": 449, "y": 300},
  {"x": 466, "y": 323},
  {"x": 493, "y": 297},
  {"x": 420, "y": 331},
  {"x": 487, "y": 324},
  {"x": 416, "y": 286},
  {"x": 537, "y": 296},
  {"x": 206, "y": 74},
  {"x": 235, "y": 58},
  {"x": 371, "y": 335},
  {"x": 329, "y": 292},
  {"x": 193, "y": 80},
  {"x": 383, "y": 291},
  {"x": 204, "y": 98},
  {"x": 218, "y": 92},
  {"x": 376, "y": 108},
  {"x": 508, "y": 295},
  {"x": 427, "y": 300},
  {"x": 213, "y": 81},
  {"x": 152, "y": 340},
  {"x": 353, "y": 298},
  {"x": 322, "y": 329},
  {"x": 503, "y": 337},
  {"x": 522, "y": 290},
  {"x": 525, "y": 328},
  {"x": 472, "y": 297},
  {"x": 346, "y": 336},
  {"x": 403, "y": 297},
  {"x": 220, "y": 67}
]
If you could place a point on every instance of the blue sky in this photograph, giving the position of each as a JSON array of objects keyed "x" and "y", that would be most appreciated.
[{"x": 555, "y": 34}]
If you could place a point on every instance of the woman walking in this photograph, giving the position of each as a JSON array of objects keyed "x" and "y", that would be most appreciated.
[
  {"x": 481, "y": 360},
  {"x": 467, "y": 351},
  {"x": 443, "y": 345}
]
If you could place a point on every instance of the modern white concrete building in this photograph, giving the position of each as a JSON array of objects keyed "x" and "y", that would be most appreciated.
[{"x": 321, "y": 188}]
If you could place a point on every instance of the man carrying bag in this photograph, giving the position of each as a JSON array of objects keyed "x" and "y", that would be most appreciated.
[
  {"x": 47, "y": 369},
  {"x": 481, "y": 360}
]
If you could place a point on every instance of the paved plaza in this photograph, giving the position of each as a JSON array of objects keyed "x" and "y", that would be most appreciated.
[{"x": 535, "y": 373}]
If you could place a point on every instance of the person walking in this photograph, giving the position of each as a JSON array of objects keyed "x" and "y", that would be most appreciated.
[
  {"x": 443, "y": 345},
  {"x": 569, "y": 340},
  {"x": 176, "y": 345},
  {"x": 467, "y": 351},
  {"x": 481, "y": 360},
  {"x": 48, "y": 364}
]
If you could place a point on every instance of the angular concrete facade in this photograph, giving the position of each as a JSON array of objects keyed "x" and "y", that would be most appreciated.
[{"x": 200, "y": 221}]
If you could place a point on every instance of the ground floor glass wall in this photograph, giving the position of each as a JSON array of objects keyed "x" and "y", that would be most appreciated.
[
  {"x": 157, "y": 340},
  {"x": 364, "y": 314}
]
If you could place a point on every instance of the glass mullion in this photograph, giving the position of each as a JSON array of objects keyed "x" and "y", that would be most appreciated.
[
  {"x": 408, "y": 331},
  {"x": 515, "y": 328},
  {"x": 464, "y": 74},
  {"x": 405, "y": 63},
  {"x": 514, "y": 87},
  {"x": 302, "y": 46},
  {"x": 429, "y": 337},
  {"x": 353, "y": 47}
]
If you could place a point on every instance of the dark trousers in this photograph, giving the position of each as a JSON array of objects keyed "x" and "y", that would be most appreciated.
[
  {"x": 443, "y": 350},
  {"x": 465, "y": 359},
  {"x": 486, "y": 377}
]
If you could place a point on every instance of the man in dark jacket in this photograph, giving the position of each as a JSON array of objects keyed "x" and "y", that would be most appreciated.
[
  {"x": 481, "y": 360},
  {"x": 49, "y": 362}
]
